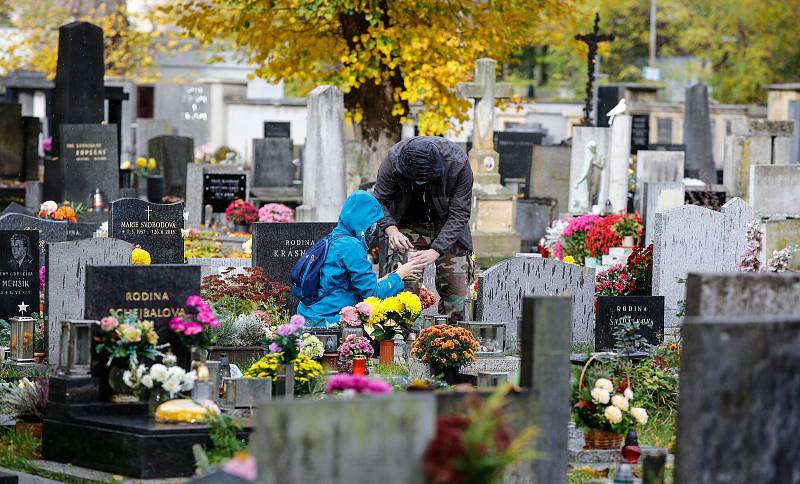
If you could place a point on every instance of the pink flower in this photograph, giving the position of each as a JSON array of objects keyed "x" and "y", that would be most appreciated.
[
  {"x": 365, "y": 309},
  {"x": 194, "y": 300},
  {"x": 359, "y": 384},
  {"x": 177, "y": 325},
  {"x": 192, "y": 329},
  {"x": 242, "y": 466},
  {"x": 109, "y": 323},
  {"x": 297, "y": 321},
  {"x": 274, "y": 348},
  {"x": 350, "y": 316}
]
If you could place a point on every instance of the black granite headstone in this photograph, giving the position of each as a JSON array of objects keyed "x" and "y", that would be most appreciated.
[
  {"x": 155, "y": 227},
  {"x": 277, "y": 129},
  {"x": 89, "y": 160},
  {"x": 49, "y": 230},
  {"x": 11, "y": 149},
  {"x": 32, "y": 128},
  {"x": 220, "y": 189},
  {"x": 19, "y": 273},
  {"x": 277, "y": 246},
  {"x": 155, "y": 292},
  {"x": 173, "y": 153},
  {"x": 272, "y": 162},
  {"x": 516, "y": 152},
  {"x": 610, "y": 313},
  {"x": 640, "y": 132},
  {"x": 607, "y": 98},
  {"x": 15, "y": 207}
]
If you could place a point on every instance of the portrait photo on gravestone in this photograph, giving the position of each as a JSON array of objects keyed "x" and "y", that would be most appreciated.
[{"x": 19, "y": 273}]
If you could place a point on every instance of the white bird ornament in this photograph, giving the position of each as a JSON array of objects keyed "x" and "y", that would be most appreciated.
[{"x": 618, "y": 109}]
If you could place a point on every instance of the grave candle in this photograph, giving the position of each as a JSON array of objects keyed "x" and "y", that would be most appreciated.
[
  {"x": 359, "y": 365},
  {"x": 22, "y": 339},
  {"x": 76, "y": 346}
]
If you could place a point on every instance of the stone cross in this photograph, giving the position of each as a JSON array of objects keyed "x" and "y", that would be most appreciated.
[
  {"x": 592, "y": 40},
  {"x": 485, "y": 91}
]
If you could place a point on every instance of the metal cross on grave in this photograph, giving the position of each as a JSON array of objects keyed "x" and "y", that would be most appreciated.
[
  {"x": 592, "y": 40},
  {"x": 148, "y": 210},
  {"x": 484, "y": 90}
]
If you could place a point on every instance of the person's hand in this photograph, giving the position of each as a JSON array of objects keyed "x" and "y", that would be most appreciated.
[
  {"x": 410, "y": 269},
  {"x": 397, "y": 241},
  {"x": 426, "y": 257}
]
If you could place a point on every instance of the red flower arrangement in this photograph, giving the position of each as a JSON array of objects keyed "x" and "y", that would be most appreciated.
[
  {"x": 601, "y": 236},
  {"x": 241, "y": 212},
  {"x": 614, "y": 282}
]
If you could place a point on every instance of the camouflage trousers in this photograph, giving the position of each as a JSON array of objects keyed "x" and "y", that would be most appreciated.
[{"x": 454, "y": 269}]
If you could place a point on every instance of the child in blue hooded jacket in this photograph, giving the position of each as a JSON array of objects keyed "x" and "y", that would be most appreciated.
[{"x": 347, "y": 277}]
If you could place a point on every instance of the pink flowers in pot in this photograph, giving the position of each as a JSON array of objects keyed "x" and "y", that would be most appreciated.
[
  {"x": 355, "y": 345},
  {"x": 287, "y": 340},
  {"x": 193, "y": 327},
  {"x": 357, "y": 315},
  {"x": 356, "y": 384},
  {"x": 275, "y": 212}
]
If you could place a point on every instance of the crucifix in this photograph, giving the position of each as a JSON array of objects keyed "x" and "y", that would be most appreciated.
[
  {"x": 592, "y": 40},
  {"x": 484, "y": 90},
  {"x": 148, "y": 210}
]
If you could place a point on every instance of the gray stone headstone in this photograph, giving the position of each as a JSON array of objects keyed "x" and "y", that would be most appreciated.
[
  {"x": 155, "y": 227},
  {"x": 155, "y": 292},
  {"x": 545, "y": 369},
  {"x": 32, "y": 129},
  {"x": 277, "y": 246},
  {"x": 774, "y": 190},
  {"x": 794, "y": 143},
  {"x": 697, "y": 134},
  {"x": 172, "y": 153},
  {"x": 657, "y": 197},
  {"x": 502, "y": 287},
  {"x": 147, "y": 129},
  {"x": 272, "y": 162},
  {"x": 779, "y": 235},
  {"x": 66, "y": 278},
  {"x": 14, "y": 207},
  {"x": 216, "y": 185},
  {"x": 33, "y": 195},
  {"x": 19, "y": 273},
  {"x": 212, "y": 266},
  {"x": 49, "y": 230},
  {"x": 755, "y": 142},
  {"x": 533, "y": 218},
  {"x": 738, "y": 400},
  {"x": 341, "y": 440},
  {"x": 550, "y": 173},
  {"x": 277, "y": 129},
  {"x": 11, "y": 141},
  {"x": 695, "y": 239},
  {"x": 656, "y": 166},
  {"x": 743, "y": 294},
  {"x": 89, "y": 160}
]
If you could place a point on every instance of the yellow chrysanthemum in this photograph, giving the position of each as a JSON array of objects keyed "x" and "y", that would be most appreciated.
[
  {"x": 141, "y": 162},
  {"x": 151, "y": 164},
  {"x": 126, "y": 165},
  {"x": 140, "y": 256},
  {"x": 392, "y": 305},
  {"x": 410, "y": 302}
]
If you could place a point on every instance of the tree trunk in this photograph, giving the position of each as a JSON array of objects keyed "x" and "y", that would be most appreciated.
[{"x": 364, "y": 155}]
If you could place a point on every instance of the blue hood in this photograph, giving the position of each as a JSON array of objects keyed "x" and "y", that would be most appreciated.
[{"x": 359, "y": 212}]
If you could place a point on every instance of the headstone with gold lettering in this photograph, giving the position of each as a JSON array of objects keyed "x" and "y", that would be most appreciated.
[
  {"x": 89, "y": 160},
  {"x": 155, "y": 227},
  {"x": 19, "y": 273}
]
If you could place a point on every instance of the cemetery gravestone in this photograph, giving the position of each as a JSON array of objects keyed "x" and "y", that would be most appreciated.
[
  {"x": 657, "y": 166},
  {"x": 277, "y": 246},
  {"x": 756, "y": 142},
  {"x": 738, "y": 403},
  {"x": 173, "y": 153},
  {"x": 657, "y": 197},
  {"x": 794, "y": 143},
  {"x": 515, "y": 150},
  {"x": 221, "y": 184},
  {"x": 155, "y": 227},
  {"x": 743, "y": 294},
  {"x": 153, "y": 292},
  {"x": 550, "y": 175},
  {"x": 615, "y": 311},
  {"x": 334, "y": 440},
  {"x": 32, "y": 128},
  {"x": 640, "y": 133},
  {"x": 697, "y": 129},
  {"x": 49, "y": 230},
  {"x": 774, "y": 190},
  {"x": 11, "y": 141},
  {"x": 277, "y": 129},
  {"x": 19, "y": 273},
  {"x": 213, "y": 266},
  {"x": 272, "y": 162},
  {"x": 66, "y": 278},
  {"x": 782, "y": 234},
  {"x": 89, "y": 160},
  {"x": 14, "y": 207},
  {"x": 147, "y": 129},
  {"x": 502, "y": 287}
]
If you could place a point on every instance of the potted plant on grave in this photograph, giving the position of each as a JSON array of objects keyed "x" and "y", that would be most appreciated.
[
  {"x": 195, "y": 331},
  {"x": 351, "y": 348},
  {"x": 353, "y": 319},
  {"x": 630, "y": 228},
  {"x": 390, "y": 317},
  {"x": 604, "y": 408},
  {"x": 356, "y": 384},
  {"x": 50, "y": 210},
  {"x": 445, "y": 349},
  {"x": 306, "y": 371},
  {"x": 160, "y": 382},
  {"x": 573, "y": 238},
  {"x": 25, "y": 401},
  {"x": 241, "y": 214},
  {"x": 275, "y": 213},
  {"x": 285, "y": 342},
  {"x": 126, "y": 341}
]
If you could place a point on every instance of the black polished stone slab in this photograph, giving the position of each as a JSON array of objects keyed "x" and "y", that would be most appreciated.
[
  {"x": 610, "y": 309},
  {"x": 19, "y": 273},
  {"x": 277, "y": 246},
  {"x": 277, "y": 129},
  {"x": 89, "y": 161},
  {"x": 72, "y": 389},
  {"x": 155, "y": 227},
  {"x": 49, "y": 230},
  {"x": 220, "y": 189},
  {"x": 11, "y": 141},
  {"x": 173, "y": 153},
  {"x": 516, "y": 152}
]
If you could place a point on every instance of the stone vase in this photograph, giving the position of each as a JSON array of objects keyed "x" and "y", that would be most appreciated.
[
  {"x": 120, "y": 392},
  {"x": 627, "y": 241}
]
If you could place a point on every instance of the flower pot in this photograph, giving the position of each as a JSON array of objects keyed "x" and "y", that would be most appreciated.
[
  {"x": 156, "y": 398},
  {"x": 387, "y": 352},
  {"x": 449, "y": 374},
  {"x": 155, "y": 189},
  {"x": 627, "y": 241},
  {"x": 602, "y": 439},
  {"x": 34, "y": 428},
  {"x": 241, "y": 228},
  {"x": 590, "y": 262},
  {"x": 120, "y": 392}
]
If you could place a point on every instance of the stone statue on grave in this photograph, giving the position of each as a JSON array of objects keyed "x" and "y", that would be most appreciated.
[{"x": 593, "y": 174}]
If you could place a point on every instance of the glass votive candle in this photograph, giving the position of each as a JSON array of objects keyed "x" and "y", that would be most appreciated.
[{"x": 359, "y": 365}]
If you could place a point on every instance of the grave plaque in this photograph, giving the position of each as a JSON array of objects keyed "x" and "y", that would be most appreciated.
[
  {"x": 613, "y": 311},
  {"x": 220, "y": 189},
  {"x": 272, "y": 162},
  {"x": 640, "y": 132},
  {"x": 277, "y": 246},
  {"x": 89, "y": 160},
  {"x": 49, "y": 230},
  {"x": 155, "y": 227},
  {"x": 516, "y": 153},
  {"x": 19, "y": 273},
  {"x": 277, "y": 129},
  {"x": 153, "y": 292}
]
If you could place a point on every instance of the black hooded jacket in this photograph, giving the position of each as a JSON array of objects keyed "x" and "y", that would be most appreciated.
[{"x": 451, "y": 194}]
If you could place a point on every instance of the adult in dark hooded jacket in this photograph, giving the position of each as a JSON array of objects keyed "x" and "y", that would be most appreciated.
[{"x": 425, "y": 187}]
